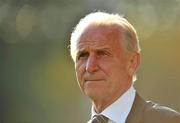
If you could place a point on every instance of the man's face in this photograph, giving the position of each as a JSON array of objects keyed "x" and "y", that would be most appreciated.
[{"x": 101, "y": 63}]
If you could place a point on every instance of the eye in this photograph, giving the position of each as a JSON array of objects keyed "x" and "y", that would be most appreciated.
[
  {"x": 103, "y": 53},
  {"x": 82, "y": 55}
]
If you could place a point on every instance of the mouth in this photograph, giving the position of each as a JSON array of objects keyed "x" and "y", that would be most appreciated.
[{"x": 93, "y": 80}]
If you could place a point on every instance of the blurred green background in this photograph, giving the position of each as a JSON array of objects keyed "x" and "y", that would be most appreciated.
[{"x": 37, "y": 79}]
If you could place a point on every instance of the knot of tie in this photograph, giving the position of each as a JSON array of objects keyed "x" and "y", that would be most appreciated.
[{"x": 99, "y": 119}]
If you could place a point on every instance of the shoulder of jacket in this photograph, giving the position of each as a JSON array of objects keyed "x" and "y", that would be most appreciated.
[
  {"x": 157, "y": 108},
  {"x": 160, "y": 114}
]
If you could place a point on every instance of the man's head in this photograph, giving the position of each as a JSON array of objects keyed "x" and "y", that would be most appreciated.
[
  {"x": 101, "y": 18},
  {"x": 105, "y": 50}
]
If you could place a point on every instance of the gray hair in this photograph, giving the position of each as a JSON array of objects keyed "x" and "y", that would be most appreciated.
[
  {"x": 131, "y": 42},
  {"x": 130, "y": 38}
]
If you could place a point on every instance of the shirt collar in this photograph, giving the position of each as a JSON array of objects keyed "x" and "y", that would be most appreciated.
[{"x": 119, "y": 110}]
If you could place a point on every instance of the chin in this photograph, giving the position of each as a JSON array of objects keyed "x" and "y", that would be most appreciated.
[{"x": 94, "y": 93}]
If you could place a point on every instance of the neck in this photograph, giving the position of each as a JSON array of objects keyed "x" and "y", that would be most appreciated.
[{"x": 101, "y": 104}]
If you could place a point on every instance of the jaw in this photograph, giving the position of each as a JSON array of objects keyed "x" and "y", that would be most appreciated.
[{"x": 101, "y": 99}]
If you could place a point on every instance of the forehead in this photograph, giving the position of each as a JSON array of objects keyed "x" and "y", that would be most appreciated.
[{"x": 100, "y": 36}]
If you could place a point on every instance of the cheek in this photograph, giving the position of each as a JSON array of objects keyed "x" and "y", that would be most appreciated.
[
  {"x": 79, "y": 72},
  {"x": 116, "y": 71},
  {"x": 112, "y": 68},
  {"x": 79, "y": 77}
]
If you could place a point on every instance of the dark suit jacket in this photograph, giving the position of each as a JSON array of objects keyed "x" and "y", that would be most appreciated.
[{"x": 148, "y": 112}]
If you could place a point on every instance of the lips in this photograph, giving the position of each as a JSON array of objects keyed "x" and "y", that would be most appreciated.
[{"x": 93, "y": 80}]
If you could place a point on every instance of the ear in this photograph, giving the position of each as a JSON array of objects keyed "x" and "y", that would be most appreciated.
[{"x": 134, "y": 62}]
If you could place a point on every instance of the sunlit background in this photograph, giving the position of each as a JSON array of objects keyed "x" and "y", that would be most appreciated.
[{"x": 37, "y": 79}]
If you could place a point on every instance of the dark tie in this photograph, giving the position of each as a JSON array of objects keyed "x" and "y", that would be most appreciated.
[{"x": 99, "y": 119}]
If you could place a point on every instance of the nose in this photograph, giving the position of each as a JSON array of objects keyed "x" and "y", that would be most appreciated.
[{"x": 92, "y": 64}]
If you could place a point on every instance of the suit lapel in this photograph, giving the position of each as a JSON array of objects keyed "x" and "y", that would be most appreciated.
[{"x": 136, "y": 113}]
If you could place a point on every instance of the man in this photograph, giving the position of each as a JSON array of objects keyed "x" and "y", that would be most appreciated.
[{"x": 106, "y": 52}]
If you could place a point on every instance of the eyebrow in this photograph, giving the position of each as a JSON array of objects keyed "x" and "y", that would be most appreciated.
[
  {"x": 103, "y": 49},
  {"x": 97, "y": 49}
]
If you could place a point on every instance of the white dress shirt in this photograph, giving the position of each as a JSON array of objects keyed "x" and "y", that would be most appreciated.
[{"x": 118, "y": 111}]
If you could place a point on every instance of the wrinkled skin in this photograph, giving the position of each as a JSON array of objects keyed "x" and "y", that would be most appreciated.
[{"x": 103, "y": 69}]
